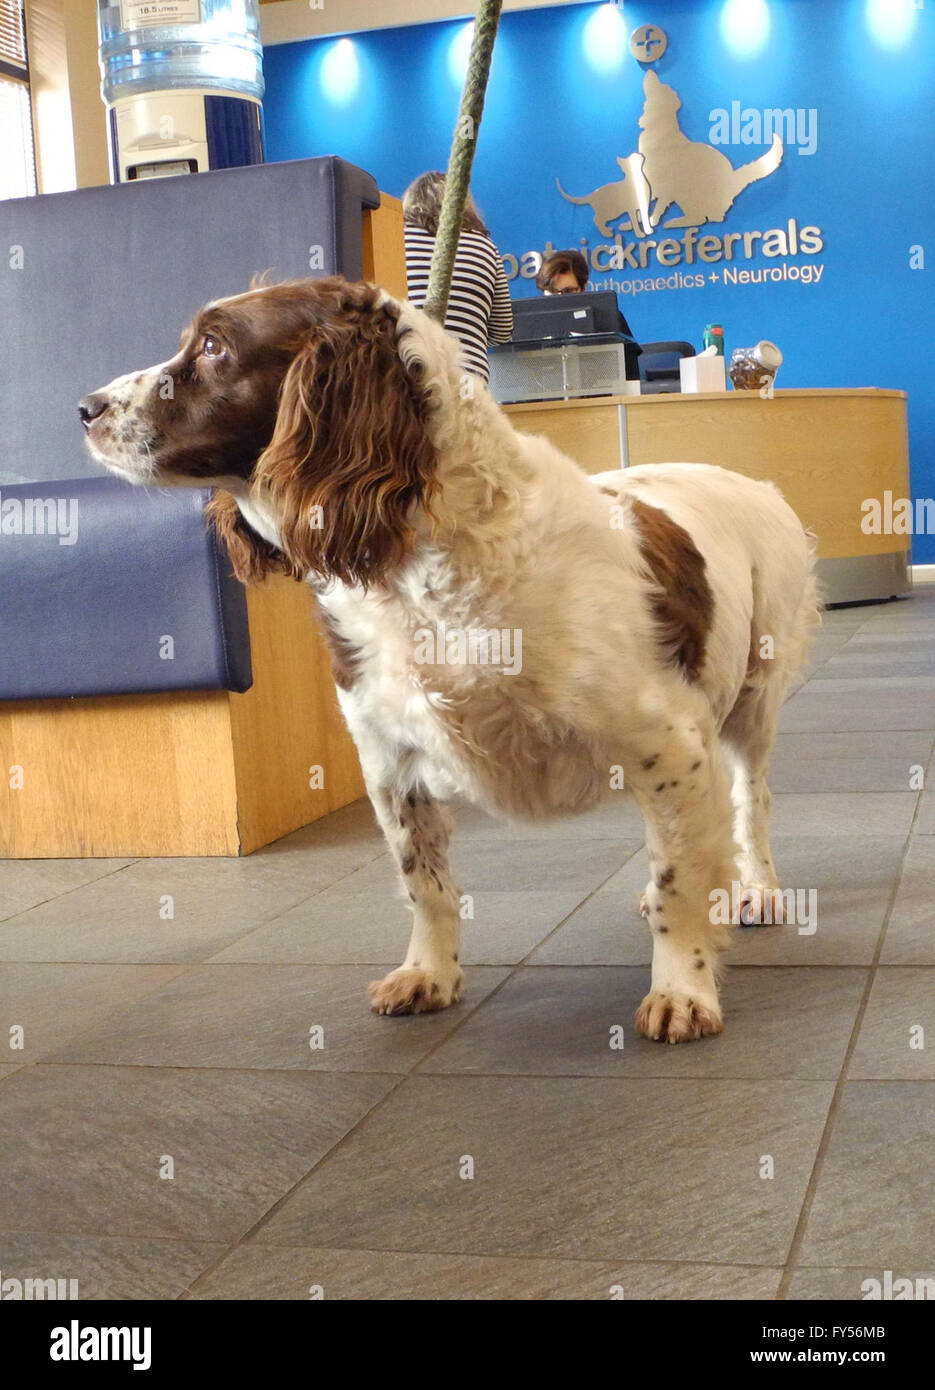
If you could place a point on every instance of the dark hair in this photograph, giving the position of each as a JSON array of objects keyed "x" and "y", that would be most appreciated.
[
  {"x": 561, "y": 263},
  {"x": 422, "y": 203}
]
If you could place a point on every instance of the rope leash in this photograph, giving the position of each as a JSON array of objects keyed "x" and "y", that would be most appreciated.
[{"x": 463, "y": 145}]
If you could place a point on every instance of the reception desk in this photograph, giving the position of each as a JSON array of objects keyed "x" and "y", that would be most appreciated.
[{"x": 828, "y": 451}]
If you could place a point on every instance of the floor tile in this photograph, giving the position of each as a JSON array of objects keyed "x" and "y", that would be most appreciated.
[
  {"x": 854, "y": 1284},
  {"x": 897, "y": 1035},
  {"x": 843, "y": 813},
  {"x": 858, "y": 705},
  {"x": 898, "y": 633},
  {"x": 849, "y": 619},
  {"x": 261, "y": 1272},
  {"x": 26, "y": 882},
  {"x": 852, "y": 665},
  {"x": 899, "y": 645},
  {"x": 875, "y": 1200},
  {"x": 916, "y": 610},
  {"x": 910, "y": 934},
  {"x": 341, "y": 927},
  {"x": 56, "y": 1004},
  {"x": 81, "y": 1148},
  {"x": 896, "y": 646},
  {"x": 833, "y": 762},
  {"x": 111, "y": 1267},
  {"x": 563, "y": 1167},
  {"x": 561, "y": 1021},
  {"x": 124, "y": 918},
  {"x": 925, "y": 825},
  {"x": 513, "y": 865},
  {"x": 263, "y": 1015},
  {"x": 345, "y": 840},
  {"x": 827, "y": 645},
  {"x": 873, "y": 659},
  {"x": 607, "y": 928}
]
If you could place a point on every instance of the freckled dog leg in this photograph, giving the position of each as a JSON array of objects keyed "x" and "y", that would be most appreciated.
[
  {"x": 683, "y": 793},
  {"x": 749, "y": 734},
  {"x": 417, "y": 829},
  {"x": 760, "y": 898}
]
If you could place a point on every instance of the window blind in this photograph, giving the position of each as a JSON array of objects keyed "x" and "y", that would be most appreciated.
[
  {"x": 17, "y": 156},
  {"x": 12, "y": 35}
]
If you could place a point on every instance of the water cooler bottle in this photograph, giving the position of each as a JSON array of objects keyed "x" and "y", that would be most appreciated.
[{"x": 183, "y": 83}]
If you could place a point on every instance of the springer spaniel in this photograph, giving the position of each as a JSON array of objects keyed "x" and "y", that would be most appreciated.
[{"x": 502, "y": 626}]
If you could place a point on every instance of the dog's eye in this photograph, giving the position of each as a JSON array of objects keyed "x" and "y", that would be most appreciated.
[{"x": 212, "y": 347}]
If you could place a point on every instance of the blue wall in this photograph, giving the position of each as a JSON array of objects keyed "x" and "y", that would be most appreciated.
[{"x": 564, "y": 101}]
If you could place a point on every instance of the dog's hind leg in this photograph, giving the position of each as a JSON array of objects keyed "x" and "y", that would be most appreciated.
[
  {"x": 748, "y": 736},
  {"x": 778, "y": 647},
  {"x": 681, "y": 786},
  {"x": 417, "y": 829}
]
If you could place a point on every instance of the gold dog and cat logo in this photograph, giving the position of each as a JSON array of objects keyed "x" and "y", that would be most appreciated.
[
  {"x": 667, "y": 170},
  {"x": 671, "y": 184}
]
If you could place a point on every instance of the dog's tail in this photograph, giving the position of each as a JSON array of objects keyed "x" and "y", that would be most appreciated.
[
  {"x": 758, "y": 168},
  {"x": 579, "y": 201}
]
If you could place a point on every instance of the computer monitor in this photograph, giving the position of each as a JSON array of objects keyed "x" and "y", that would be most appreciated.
[
  {"x": 567, "y": 316},
  {"x": 570, "y": 316}
]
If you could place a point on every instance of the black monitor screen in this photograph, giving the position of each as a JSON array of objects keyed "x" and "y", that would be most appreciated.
[{"x": 567, "y": 316}]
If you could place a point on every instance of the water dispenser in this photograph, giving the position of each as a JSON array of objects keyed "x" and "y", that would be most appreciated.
[{"x": 183, "y": 84}]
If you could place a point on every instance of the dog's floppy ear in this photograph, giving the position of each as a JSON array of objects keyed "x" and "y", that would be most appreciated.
[
  {"x": 350, "y": 458},
  {"x": 252, "y": 558}
]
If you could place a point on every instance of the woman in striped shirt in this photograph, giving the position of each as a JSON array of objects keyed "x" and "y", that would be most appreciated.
[{"x": 479, "y": 309}]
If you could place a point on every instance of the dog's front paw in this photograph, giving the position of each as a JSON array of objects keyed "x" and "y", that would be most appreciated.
[
  {"x": 409, "y": 991},
  {"x": 677, "y": 1017}
]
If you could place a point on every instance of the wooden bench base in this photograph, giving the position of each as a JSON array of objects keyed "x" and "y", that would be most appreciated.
[{"x": 191, "y": 773}]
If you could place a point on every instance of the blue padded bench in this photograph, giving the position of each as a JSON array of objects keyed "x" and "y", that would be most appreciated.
[{"x": 109, "y": 588}]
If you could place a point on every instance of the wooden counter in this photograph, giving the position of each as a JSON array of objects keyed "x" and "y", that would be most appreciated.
[{"x": 827, "y": 450}]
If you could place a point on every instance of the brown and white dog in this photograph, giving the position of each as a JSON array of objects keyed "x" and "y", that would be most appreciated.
[{"x": 660, "y": 612}]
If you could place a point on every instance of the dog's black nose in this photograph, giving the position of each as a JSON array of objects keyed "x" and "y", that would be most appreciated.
[{"x": 90, "y": 407}]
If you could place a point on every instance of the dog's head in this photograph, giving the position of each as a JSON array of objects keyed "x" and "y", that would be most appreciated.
[
  {"x": 660, "y": 102},
  {"x": 310, "y": 398}
]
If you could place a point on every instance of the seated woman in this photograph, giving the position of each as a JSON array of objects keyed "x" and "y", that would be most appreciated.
[{"x": 564, "y": 272}]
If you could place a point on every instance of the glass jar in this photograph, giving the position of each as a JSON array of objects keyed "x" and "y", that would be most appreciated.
[{"x": 752, "y": 368}]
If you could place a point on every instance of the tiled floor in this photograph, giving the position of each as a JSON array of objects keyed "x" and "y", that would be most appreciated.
[{"x": 168, "y": 1129}]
